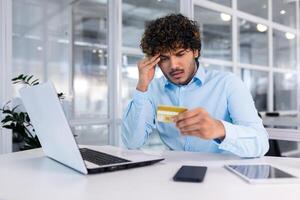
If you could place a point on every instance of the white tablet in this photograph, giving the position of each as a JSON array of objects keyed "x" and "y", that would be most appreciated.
[{"x": 262, "y": 173}]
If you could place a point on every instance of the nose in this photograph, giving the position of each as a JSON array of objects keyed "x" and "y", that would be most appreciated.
[{"x": 173, "y": 62}]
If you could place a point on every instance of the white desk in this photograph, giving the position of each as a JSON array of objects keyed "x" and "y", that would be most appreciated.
[{"x": 30, "y": 175}]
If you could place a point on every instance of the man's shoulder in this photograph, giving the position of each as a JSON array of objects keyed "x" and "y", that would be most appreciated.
[
  {"x": 216, "y": 75},
  {"x": 228, "y": 81}
]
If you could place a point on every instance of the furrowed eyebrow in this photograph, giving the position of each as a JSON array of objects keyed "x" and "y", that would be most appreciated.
[
  {"x": 176, "y": 53},
  {"x": 164, "y": 56},
  {"x": 179, "y": 52}
]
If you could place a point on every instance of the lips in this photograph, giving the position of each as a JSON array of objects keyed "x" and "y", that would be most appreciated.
[{"x": 177, "y": 74}]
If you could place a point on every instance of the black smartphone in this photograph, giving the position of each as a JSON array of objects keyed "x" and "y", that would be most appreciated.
[{"x": 190, "y": 173}]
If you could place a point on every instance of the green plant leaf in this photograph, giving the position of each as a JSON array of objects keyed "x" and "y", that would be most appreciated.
[
  {"x": 27, "y": 119},
  {"x": 19, "y": 123},
  {"x": 8, "y": 126},
  {"x": 22, "y": 116},
  {"x": 18, "y": 77},
  {"x": 35, "y": 82},
  {"x": 16, "y": 82},
  {"x": 7, "y": 112},
  {"x": 7, "y": 119},
  {"x": 13, "y": 110},
  {"x": 16, "y": 116},
  {"x": 32, "y": 142},
  {"x": 29, "y": 78},
  {"x": 61, "y": 95},
  {"x": 13, "y": 125}
]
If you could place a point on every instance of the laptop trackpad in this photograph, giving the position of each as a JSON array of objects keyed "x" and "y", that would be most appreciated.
[{"x": 90, "y": 165}]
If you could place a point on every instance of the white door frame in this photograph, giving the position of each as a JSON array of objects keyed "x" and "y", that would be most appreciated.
[
  {"x": 114, "y": 70},
  {"x": 5, "y": 68}
]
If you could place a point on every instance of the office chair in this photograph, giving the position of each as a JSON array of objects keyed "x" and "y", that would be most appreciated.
[{"x": 274, "y": 148}]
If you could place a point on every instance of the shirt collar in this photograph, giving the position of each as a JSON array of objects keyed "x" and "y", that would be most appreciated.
[{"x": 199, "y": 78}]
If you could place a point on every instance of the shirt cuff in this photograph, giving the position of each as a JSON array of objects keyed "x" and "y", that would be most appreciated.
[
  {"x": 230, "y": 137},
  {"x": 139, "y": 96}
]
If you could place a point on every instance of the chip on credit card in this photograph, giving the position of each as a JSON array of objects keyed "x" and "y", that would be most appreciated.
[{"x": 166, "y": 113}]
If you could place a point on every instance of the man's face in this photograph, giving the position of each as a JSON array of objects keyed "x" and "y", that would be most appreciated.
[{"x": 179, "y": 66}]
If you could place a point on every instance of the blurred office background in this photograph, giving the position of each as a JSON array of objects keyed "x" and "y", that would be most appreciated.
[{"x": 89, "y": 49}]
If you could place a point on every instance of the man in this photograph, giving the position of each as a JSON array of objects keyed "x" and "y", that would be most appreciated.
[{"x": 221, "y": 115}]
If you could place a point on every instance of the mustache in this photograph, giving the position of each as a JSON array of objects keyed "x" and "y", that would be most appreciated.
[{"x": 175, "y": 71}]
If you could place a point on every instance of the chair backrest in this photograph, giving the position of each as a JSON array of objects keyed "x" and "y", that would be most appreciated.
[{"x": 274, "y": 148}]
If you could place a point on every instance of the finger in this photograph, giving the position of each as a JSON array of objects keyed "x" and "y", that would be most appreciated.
[
  {"x": 151, "y": 59},
  {"x": 153, "y": 64},
  {"x": 188, "y": 114},
  {"x": 148, "y": 67},
  {"x": 192, "y": 133},
  {"x": 189, "y": 121},
  {"x": 195, "y": 127}
]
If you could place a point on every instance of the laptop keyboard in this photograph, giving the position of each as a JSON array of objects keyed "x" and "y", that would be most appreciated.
[{"x": 100, "y": 158}]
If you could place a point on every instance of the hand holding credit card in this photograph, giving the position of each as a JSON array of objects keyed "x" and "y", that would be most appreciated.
[{"x": 166, "y": 113}]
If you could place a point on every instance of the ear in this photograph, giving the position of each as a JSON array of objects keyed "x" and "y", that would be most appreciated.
[{"x": 196, "y": 53}]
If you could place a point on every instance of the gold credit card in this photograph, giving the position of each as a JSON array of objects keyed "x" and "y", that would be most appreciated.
[{"x": 166, "y": 113}]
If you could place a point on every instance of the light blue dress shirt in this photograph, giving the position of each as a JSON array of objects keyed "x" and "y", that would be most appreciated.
[{"x": 223, "y": 95}]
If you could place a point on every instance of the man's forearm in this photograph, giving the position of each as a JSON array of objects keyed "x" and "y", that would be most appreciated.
[
  {"x": 137, "y": 122},
  {"x": 245, "y": 140}
]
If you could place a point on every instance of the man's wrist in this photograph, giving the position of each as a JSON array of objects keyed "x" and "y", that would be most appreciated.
[
  {"x": 142, "y": 87},
  {"x": 220, "y": 130}
]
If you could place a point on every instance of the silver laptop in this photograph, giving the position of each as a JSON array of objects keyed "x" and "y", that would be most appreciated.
[{"x": 58, "y": 142}]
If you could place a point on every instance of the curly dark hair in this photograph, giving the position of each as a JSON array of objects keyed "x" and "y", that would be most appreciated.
[{"x": 169, "y": 33}]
